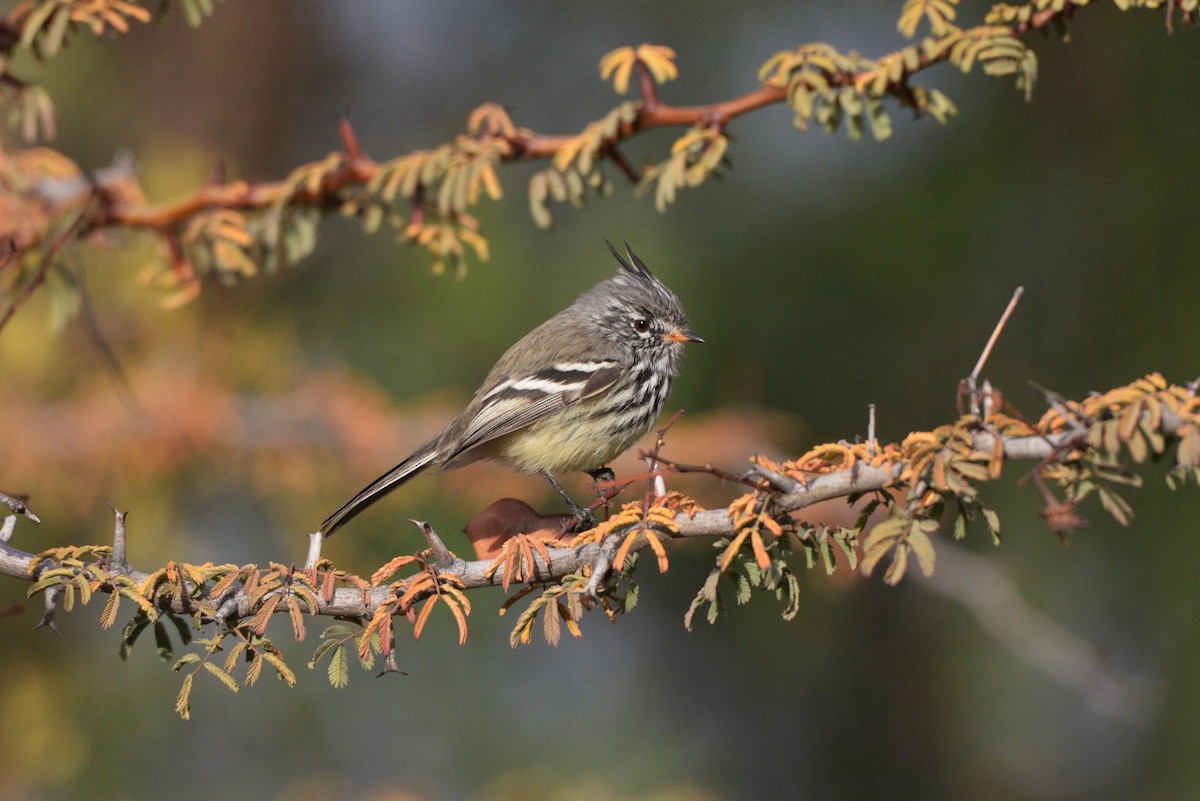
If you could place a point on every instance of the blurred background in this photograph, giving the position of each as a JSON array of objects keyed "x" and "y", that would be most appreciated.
[{"x": 824, "y": 274}]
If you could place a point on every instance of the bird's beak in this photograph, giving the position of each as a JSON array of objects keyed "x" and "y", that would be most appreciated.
[{"x": 682, "y": 335}]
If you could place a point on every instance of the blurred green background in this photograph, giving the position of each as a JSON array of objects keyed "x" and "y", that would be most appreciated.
[{"x": 825, "y": 275}]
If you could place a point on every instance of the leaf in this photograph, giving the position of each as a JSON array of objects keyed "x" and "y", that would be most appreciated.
[
  {"x": 619, "y": 64},
  {"x": 133, "y": 629},
  {"x": 182, "y": 706},
  {"x": 792, "y": 607},
  {"x": 389, "y": 568},
  {"x": 224, "y": 677},
  {"x": 880, "y": 541},
  {"x": 297, "y": 618},
  {"x": 186, "y": 659},
  {"x": 552, "y": 624},
  {"x": 162, "y": 640},
  {"x": 895, "y": 571},
  {"x": 339, "y": 666},
  {"x": 111, "y": 606},
  {"x": 1116, "y": 506},
  {"x": 922, "y": 547},
  {"x": 55, "y": 32},
  {"x": 284, "y": 672},
  {"x": 660, "y": 60},
  {"x": 423, "y": 617},
  {"x": 707, "y": 593},
  {"x": 993, "y": 524}
]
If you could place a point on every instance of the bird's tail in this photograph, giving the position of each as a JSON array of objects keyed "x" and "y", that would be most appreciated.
[{"x": 422, "y": 458}]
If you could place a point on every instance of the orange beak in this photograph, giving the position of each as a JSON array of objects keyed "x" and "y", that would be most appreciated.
[{"x": 681, "y": 336}]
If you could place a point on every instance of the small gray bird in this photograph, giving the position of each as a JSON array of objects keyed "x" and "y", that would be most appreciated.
[{"x": 573, "y": 394}]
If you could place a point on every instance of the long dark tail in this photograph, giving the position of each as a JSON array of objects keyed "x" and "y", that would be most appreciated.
[{"x": 422, "y": 458}]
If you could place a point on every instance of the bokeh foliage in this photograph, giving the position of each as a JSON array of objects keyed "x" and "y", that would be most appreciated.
[{"x": 1134, "y": 343}]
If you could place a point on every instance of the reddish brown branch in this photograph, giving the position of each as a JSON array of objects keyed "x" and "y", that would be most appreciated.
[{"x": 522, "y": 145}]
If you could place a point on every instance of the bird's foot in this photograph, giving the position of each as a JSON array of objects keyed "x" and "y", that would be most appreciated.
[{"x": 584, "y": 518}]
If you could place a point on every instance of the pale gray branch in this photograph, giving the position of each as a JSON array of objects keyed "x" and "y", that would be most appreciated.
[{"x": 862, "y": 478}]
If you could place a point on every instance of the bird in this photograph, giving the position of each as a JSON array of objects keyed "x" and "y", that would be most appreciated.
[{"x": 571, "y": 395}]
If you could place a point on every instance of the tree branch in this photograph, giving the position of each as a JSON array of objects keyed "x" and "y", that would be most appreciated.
[{"x": 712, "y": 523}]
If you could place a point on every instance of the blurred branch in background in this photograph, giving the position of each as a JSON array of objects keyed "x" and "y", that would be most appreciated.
[{"x": 993, "y": 599}]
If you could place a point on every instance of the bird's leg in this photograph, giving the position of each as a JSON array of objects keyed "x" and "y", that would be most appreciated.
[
  {"x": 602, "y": 475},
  {"x": 584, "y": 519}
]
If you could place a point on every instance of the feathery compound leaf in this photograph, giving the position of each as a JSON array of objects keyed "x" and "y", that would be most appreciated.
[
  {"x": 618, "y": 64},
  {"x": 182, "y": 701},
  {"x": 339, "y": 666},
  {"x": 939, "y": 13},
  {"x": 224, "y": 677},
  {"x": 281, "y": 669},
  {"x": 660, "y": 60}
]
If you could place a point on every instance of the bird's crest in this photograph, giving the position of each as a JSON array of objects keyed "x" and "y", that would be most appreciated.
[{"x": 632, "y": 265}]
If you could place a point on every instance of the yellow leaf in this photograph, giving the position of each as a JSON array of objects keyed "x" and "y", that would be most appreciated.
[
  {"x": 660, "y": 60},
  {"x": 922, "y": 547},
  {"x": 619, "y": 64}
]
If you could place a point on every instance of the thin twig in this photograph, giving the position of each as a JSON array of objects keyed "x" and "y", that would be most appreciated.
[
  {"x": 91, "y": 325},
  {"x": 47, "y": 260},
  {"x": 987, "y": 349},
  {"x": 118, "y": 559},
  {"x": 973, "y": 378}
]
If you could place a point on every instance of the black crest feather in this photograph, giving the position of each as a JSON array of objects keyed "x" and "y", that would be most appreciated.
[{"x": 633, "y": 265}]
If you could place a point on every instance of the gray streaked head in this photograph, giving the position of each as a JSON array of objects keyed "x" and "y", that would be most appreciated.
[{"x": 635, "y": 310}]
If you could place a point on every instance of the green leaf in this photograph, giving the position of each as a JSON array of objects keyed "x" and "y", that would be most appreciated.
[
  {"x": 792, "y": 607},
  {"x": 162, "y": 641},
  {"x": 34, "y": 22},
  {"x": 339, "y": 666},
  {"x": 133, "y": 629},
  {"x": 55, "y": 32},
  {"x": 827, "y": 555},
  {"x": 186, "y": 659},
  {"x": 993, "y": 524},
  {"x": 631, "y": 596}
]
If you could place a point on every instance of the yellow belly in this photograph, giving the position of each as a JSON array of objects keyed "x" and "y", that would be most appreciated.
[{"x": 565, "y": 442}]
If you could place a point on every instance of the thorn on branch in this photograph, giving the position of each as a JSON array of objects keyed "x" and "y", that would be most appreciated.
[
  {"x": 118, "y": 560},
  {"x": 216, "y": 177},
  {"x": 871, "y": 430},
  {"x": 349, "y": 139},
  {"x": 444, "y": 560},
  {"x": 615, "y": 155},
  {"x": 18, "y": 506},
  {"x": 778, "y": 481},
  {"x": 315, "y": 540},
  {"x": 47, "y": 621},
  {"x": 1059, "y": 404}
]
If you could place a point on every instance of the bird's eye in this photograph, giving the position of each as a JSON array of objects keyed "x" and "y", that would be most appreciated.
[{"x": 641, "y": 325}]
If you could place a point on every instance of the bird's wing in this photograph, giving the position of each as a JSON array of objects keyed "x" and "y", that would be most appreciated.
[{"x": 515, "y": 404}]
